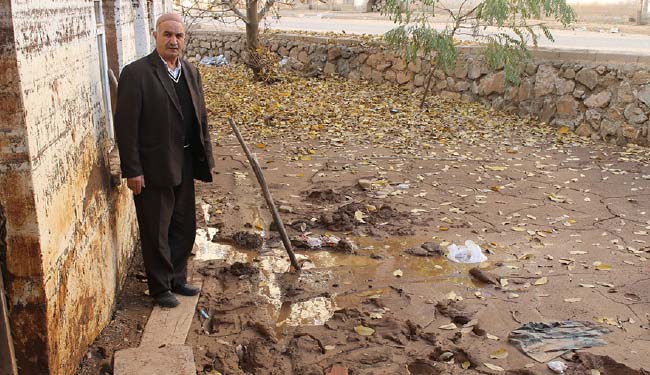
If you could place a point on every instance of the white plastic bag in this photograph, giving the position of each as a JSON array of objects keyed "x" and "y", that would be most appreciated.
[
  {"x": 470, "y": 253},
  {"x": 557, "y": 367}
]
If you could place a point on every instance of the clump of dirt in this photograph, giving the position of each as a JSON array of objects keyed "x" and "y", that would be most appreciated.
[
  {"x": 458, "y": 311},
  {"x": 326, "y": 196},
  {"x": 345, "y": 218},
  {"x": 605, "y": 364},
  {"x": 242, "y": 337},
  {"x": 428, "y": 249},
  {"x": 248, "y": 240},
  {"x": 243, "y": 269}
]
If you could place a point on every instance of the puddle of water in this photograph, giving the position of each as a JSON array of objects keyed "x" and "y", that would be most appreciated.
[
  {"x": 208, "y": 250},
  {"x": 205, "y": 207},
  {"x": 338, "y": 267},
  {"x": 315, "y": 311}
]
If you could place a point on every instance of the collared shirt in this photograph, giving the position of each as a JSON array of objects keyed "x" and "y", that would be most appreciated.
[{"x": 174, "y": 73}]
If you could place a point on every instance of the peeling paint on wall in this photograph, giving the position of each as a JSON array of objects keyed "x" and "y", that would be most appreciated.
[{"x": 70, "y": 233}]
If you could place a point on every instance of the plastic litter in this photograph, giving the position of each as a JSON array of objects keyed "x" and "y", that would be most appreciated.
[
  {"x": 284, "y": 61},
  {"x": 314, "y": 242},
  {"x": 557, "y": 367},
  {"x": 469, "y": 253},
  {"x": 204, "y": 314},
  {"x": 330, "y": 240},
  {"x": 214, "y": 60},
  {"x": 546, "y": 341}
]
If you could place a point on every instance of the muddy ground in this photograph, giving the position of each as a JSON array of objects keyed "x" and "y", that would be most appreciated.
[
  {"x": 563, "y": 221},
  {"x": 544, "y": 211}
]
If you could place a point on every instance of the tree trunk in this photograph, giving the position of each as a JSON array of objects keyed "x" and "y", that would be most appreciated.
[
  {"x": 252, "y": 26},
  {"x": 426, "y": 88}
]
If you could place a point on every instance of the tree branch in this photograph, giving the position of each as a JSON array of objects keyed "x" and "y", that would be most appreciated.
[
  {"x": 233, "y": 8},
  {"x": 268, "y": 5}
]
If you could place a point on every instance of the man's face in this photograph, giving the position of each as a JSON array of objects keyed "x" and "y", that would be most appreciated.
[{"x": 170, "y": 39}]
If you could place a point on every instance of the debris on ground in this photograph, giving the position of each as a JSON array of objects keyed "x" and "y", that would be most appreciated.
[
  {"x": 458, "y": 311},
  {"x": 546, "y": 341},
  {"x": 468, "y": 253},
  {"x": 485, "y": 276},
  {"x": 557, "y": 367},
  {"x": 592, "y": 364},
  {"x": 214, "y": 60},
  {"x": 248, "y": 240}
]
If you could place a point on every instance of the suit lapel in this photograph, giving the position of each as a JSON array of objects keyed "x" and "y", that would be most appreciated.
[
  {"x": 191, "y": 84},
  {"x": 163, "y": 76}
]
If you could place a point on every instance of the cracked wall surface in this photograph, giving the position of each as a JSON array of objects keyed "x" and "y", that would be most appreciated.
[{"x": 70, "y": 234}]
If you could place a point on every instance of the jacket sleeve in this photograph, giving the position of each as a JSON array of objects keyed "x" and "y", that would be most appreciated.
[
  {"x": 207, "y": 143},
  {"x": 127, "y": 122}
]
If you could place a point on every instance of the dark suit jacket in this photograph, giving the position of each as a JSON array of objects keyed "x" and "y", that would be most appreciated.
[{"x": 148, "y": 123}]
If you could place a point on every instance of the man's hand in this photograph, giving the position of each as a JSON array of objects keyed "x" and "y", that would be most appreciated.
[{"x": 136, "y": 184}]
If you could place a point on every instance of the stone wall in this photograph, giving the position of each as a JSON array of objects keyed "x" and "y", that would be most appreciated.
[
  {"x": 70, "y": 232},
  {"x": 604, "y": 96}
]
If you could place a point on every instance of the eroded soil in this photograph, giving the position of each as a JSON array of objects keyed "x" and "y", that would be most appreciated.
[
  {"x": 564, "y": 223},
  {"x": 385, "y": 188}
]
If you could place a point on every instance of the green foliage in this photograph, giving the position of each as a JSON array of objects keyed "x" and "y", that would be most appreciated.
[{"x": 504, "y": 27}]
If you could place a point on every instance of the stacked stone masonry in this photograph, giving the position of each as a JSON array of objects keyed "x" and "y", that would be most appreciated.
[{"x": 602, "y": 96}]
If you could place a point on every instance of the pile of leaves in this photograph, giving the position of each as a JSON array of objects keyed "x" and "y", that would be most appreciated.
[{"x": 339, "y": 112}]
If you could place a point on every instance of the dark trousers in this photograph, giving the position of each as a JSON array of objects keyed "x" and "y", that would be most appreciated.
[{"x": 167, "y": 220}]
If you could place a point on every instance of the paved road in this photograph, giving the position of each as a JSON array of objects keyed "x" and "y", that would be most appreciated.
[{"x": 564, "y": 39}]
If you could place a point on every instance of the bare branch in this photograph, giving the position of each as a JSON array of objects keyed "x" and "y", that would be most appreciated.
[{"x": 233, "y": 8}]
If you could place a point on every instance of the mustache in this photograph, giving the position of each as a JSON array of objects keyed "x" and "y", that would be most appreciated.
[{"x": 172, "y": 46}]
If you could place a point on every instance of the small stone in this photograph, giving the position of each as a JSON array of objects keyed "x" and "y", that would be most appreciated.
[
  {"x": 365, "y": 184},
  {"x": 584, "y": 130},
  {"x": 286, "y": 209}
]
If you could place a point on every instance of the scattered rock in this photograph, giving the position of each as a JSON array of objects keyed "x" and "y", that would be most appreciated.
[
  {"x": 433, "y": 248},
  {"x": 484, "y": 276},
  {"x": 364, "y": 184},
  {"x": 286, "y": 209}
]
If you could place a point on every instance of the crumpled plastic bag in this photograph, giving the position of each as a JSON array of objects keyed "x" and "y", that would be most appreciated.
[
  {"x": 214, "y": 60},
  {"x": 469, "y": 253},
  {"x": 557, "y": 367},
  {"x": 546, "y": 341}
]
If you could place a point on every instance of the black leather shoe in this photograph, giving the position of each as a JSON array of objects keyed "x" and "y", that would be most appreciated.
[
  {"x": 186, "y": 290},
  {"x": 166, "y": 299}
]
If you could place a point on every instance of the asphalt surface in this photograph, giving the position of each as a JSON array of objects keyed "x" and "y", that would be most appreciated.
[{"x": 564, "y": 39}]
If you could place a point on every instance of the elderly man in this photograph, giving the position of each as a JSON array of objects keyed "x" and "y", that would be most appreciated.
[{"x": 164, "y": 144}]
